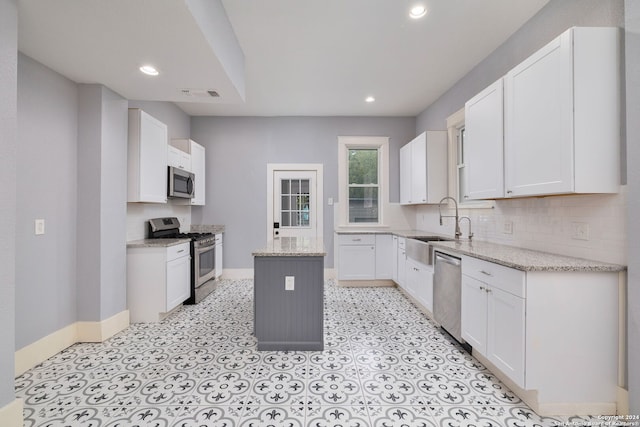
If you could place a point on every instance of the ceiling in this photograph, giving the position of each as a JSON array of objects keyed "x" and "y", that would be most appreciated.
[{"x": 277, "y": 57}]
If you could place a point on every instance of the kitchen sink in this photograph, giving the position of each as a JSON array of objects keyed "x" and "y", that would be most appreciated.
[
  {"x": 419, "y": 249},
  {"x": 433, "y": 239}
]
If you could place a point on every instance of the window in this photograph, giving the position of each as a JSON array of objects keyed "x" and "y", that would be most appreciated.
[
  {"x": 294, "y": 205},
  {"x": 363, "y": 185},
  {"x": 363, "y": 177},
  {"x": 462, "y": 179}
]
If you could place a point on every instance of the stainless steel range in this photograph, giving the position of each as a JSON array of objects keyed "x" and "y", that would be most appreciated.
[{"x": 203, "y": 255}]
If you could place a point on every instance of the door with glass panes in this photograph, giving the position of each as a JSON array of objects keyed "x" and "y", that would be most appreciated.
[{"x": 295, "y": 203}]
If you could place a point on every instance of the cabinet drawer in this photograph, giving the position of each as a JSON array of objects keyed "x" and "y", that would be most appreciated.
[
  {"x": 177, "y": 251},
  {"x": 357, "y": 239},
  {"x": 505, "y": 278}
]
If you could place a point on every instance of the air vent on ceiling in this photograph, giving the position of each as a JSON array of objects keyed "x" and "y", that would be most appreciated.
[{"x": 201, "y": 93}]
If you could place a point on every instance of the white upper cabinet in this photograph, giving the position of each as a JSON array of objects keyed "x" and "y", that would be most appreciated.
[
  {"x": 178, "y": 158},
  {"x": 423, "y": 169},
  {"x": 483, "y": 156},
  {"x": 198, "y": 169},
  {"x": 562, "y": 113},
  {"x": 147, "y": 158}
]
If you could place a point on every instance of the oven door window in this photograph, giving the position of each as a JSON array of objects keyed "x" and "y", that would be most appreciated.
[{"x": 207, "y": 262}]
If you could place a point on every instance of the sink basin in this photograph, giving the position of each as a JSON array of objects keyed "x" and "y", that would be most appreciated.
[{"x": 433, "y": 239}]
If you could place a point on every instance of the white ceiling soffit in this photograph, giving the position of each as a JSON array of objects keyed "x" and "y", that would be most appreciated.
[
  {"x": 301, "y": 57},
  {"x": 190, "y": 42},
  {"x": 324, "y": 57}
]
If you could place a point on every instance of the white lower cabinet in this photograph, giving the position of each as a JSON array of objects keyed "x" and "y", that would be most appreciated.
[
  {"x": 555, "y": 332},
  {"x": 492, "y": 318},
  {"x": 364, "y": 256},
  {"x": 384, "y": 257},
  {"x": 420, "y": 282},
  {"x": 158, "y": 280},
  {"x": 401, "y": 259},
  {"x": 356, "y": 256}
]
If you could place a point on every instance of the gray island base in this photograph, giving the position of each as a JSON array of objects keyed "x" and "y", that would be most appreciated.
[{"x": 289, "y": 295}]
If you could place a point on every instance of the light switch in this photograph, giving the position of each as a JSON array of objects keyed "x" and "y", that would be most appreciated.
[
  {"x": 39, "y": 226},
  {"x": 289, "y": 283},
  {"x": 330, "y": 201}
]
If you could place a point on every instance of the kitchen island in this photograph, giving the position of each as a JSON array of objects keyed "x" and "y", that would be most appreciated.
[{"x": 289, "y": 294}]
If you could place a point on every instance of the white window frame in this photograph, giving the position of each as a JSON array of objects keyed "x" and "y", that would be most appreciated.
[
  {"x": 346, "y": 143},
  {"x": 455, "y": 122}
]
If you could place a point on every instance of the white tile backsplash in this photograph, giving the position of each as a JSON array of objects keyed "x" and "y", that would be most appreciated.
[
  {"x": 139, "y": 213},
  {"x": 546, "y": 224}
]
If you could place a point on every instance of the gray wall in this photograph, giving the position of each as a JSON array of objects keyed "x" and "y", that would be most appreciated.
[
  {"x": 102, "y": 203},
  {"x": 238, "y": 150},
  {"x": 178, "y": 122},
  {"x": 553, "y": 19},
  {"x": 632, "y": 27},
  {"x": 8, "y": 147},
  {"x": 47, "y": 159}
]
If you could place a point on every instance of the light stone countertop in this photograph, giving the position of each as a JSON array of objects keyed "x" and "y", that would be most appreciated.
[
  {"x": 156, "y": 243},
  {"x": 394, "y": 231},
  {"x": 292, "y": 246},
  {"x": 525, "y": 259}
]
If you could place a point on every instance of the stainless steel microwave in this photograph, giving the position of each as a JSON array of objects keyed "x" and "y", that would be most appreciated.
[{"x": 181, "y": 183}]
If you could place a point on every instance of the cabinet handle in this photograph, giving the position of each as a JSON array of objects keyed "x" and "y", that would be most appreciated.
[
  {"x": 482, "y": 288},
  {"x": 486, "y": 273},
  {"x": 488, "y": 290},
  {"x": 509, "y": 191},
  {"x": 180, "y": 251},
  {"x": 356, "y": 240},
  {"x": 466, "y": 197}
]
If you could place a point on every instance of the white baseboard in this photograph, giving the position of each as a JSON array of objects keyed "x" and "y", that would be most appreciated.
[
  {"x": 11, "y": 414},
  {"x": 530, "y": 397},
  {"x": 101, "y": 331},
  {"x": 39, "y": 351},
  {"x": 623, "y": 401}
]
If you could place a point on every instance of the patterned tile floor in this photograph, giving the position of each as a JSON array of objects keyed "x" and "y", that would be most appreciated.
[{"x": 384, "y": 364}]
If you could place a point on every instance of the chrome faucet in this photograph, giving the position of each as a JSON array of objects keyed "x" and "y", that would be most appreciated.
[
  {"x": 457, "y": 232},
  {"x": 468, "y": 219}
]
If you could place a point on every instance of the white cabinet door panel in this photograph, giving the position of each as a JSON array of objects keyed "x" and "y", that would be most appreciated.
[
  {"x": 419, "y": 169},
  {"x": 484, "y": 144},
  {"x": 405, "y": 174},
  {"x": 357, "y": 262},
  {"x": 474, "y": 313},
  {"x": 178, "y": 278},
  {"x": 539, "y": 122},
  {"x": 384, "y": 256},
  {"x": 506, "y": 331}
]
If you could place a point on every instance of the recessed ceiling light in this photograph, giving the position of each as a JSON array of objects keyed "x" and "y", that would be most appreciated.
[
  {"x": 369, "y": 99},
  {"x": 149, "y": 70},
  {"x": 418, "y": 12}
]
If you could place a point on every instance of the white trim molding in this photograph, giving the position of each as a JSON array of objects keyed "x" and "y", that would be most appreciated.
[
  {"x": 52, "y": 344},
  {"x": 11, "y": 414},
  {"x": 318, "y": 168}
]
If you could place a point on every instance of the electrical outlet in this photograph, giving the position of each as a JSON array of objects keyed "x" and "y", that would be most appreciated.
[
  {"x": 289, "y": 283},
  {"x": 39, "y": 226},
  {"x": 580, "y": 230},
  {"x": 507, "y": 227}
]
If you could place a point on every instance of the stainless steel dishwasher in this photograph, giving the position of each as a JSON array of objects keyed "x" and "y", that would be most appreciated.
[{"x": 447, "y": 284}]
